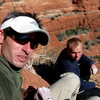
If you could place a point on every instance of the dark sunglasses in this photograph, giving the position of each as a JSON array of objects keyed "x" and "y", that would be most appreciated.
[{"x": 24, "y": 39}]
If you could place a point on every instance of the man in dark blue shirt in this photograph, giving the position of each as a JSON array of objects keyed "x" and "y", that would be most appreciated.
[{"x": 72, "y": 59}]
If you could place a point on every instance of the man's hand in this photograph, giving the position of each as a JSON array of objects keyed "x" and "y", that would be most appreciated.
[
  {"x": 94, "y": 69},
  {"x": 43, "y": 93}
]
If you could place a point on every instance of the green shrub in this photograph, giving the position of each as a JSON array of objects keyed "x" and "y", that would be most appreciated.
[
  {"x": 52, "y": 18},
  {"x": 97, "y": 57},
  {"x": 60, "y": 36},
  {"x": 2, "y": 2},
  {"x": 16, "y": 0},
  {"x": 69, "y": 32}
]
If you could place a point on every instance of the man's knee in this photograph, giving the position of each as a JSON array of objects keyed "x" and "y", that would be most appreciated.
[
  {"x": 71, "y": 77},
  {"x": 71, "y": 81},
  {"x": 66, "y": 87}
]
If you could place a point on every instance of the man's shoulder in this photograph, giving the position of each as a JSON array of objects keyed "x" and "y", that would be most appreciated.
[{"x": 63, "y": 54}]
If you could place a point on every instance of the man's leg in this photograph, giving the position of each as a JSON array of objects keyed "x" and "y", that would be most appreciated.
[
  {"x": 92, "y": 94},
  {"x": 66, "y": 88}
]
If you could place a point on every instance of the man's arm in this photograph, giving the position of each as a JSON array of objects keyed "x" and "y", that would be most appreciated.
[{"x": 90, "y": 63}]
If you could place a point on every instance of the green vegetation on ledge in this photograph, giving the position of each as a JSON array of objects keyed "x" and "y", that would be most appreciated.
[{"x": 78, "y": 30}]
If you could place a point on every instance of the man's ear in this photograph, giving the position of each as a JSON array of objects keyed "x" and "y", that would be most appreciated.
[{"x": 1, "y": 36}]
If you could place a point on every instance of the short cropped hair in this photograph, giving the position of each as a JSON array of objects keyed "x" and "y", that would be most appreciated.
[{"x": 73, "y": 42}]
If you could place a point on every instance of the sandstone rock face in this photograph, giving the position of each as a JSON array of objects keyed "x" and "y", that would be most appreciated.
[
  {"x": 59, "y": 16},
  {"x": 30, "y": 79}
]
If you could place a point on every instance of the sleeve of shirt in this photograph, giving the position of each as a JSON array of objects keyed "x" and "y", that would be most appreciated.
[
  {"x": 85, "y": 85},
  {"x": 1, "y": 94},
  {"x": 86, "y": 60},
  {"x": 8, "y": 90},
  {"x": 85, "y": 66}
]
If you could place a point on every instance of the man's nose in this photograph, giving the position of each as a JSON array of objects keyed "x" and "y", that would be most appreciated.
[
  {"x": 27, "y": 47},
  {"x": 77, "y": 55}
]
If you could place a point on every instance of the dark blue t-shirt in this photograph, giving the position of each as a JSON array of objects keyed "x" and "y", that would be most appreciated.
[{"x": 80, "y": 68}]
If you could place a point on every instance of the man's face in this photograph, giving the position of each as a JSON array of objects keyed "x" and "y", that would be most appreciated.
[
  {"x": 17, "y": 54},
  {"x": 75, "y": 52}
]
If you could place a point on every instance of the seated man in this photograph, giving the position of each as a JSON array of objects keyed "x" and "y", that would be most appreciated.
[
  {"x": 20, "y": 35},
  {"x": 72, "y": 59}
]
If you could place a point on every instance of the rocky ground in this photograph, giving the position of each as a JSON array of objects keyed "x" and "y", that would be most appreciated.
[
  {"x": 96, "y": 78},
  {"x": 31, "y": 79}
]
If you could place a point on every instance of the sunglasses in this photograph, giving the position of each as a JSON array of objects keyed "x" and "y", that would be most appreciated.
[{"x": 24, "y": 39}]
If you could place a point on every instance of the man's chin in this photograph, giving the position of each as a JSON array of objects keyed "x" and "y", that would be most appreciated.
[
  {"x": 77, "y": 59},
  {"x": 19, "y": 65}
]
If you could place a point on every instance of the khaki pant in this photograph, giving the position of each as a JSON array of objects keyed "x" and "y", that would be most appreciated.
[{"x": 66, "y": 88}]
